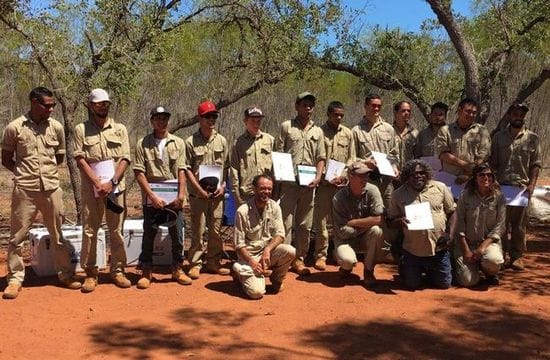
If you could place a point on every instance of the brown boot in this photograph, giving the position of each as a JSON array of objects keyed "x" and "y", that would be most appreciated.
[
  {"x": 90, "y": 282},
  {"x": 194, "y": 272},
  {"x": 368, "y": 278},
  {"x": 180, "y": 277},
  {"x": 300, "y": 268},
  {"x": 217, "y": 269},
  {"x": 120, "y": 280},
  {"x": 145, "y": 281},
  {"x": 517, "y": 264},
  {"x": 12, "y": 290},
  {"x": 70, "y": 281},
  {"x": 320, "y": 264}
]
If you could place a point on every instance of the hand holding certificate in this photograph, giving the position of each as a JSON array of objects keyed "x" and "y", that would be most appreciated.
[
  {"x": 383, "y": 164},
  {"x": 105, "y": 171},
  {"x": 334, "y": 169},
  {"x": 167, "y": 191},
  {"x": 283, "y": 169},
  {"x": 419, "y": 216}
]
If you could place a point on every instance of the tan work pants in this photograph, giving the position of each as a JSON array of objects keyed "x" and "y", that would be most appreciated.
[
  {"x": 370, "y": 243},
  {"x": 322, "y": 217},
  {"x": 206, "y": 213}
]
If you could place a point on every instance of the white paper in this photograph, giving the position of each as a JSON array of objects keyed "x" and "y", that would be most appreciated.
[
  {"x": 419, "y": 216},
  {"x": 105, "y": 171},
  {"x": 383, "y": 164},
  {"x": 166, "y": 190},
  {"x": 433, "y": 161},
  {"x": 283, "y": 169},
  {"x": 334, "y": 169},
  {"x": 449, "y": 180},
  {"x": 306, "y": 174},
  {"x": 515, "y": 195}
]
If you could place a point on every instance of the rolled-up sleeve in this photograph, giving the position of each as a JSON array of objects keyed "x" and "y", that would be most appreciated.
[
  {"x": 79, "y": 141},
  {"x": 139, "y": 163}
]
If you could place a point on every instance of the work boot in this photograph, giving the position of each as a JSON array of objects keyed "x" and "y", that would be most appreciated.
[
  {"x": 90, "y": 282},
  {"x": 194, "y": 272},
  {"x": 70, "y": 282},
  {"x": 179, "y": 276},
  {"x": 492, "y": 280},
  {"x": 275, "y": 287},
  {"x": 368, "y": 278},
  {"x": 320, "y": 264},
  {"x": 345, "y": 273},
  {"x": 12, "y": 290},
  {"x": 217, "y": 269},
  {"x": 300, "y": 268},
  {"x": 120, "y": 280},
  {"x": 145, "y": 281},
  {"x": 517, "y": 264}
]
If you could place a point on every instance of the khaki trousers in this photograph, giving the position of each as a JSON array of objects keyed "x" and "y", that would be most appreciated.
[
  {"x": 254, "y": 285},
  {"x": 467, "y": 275},
  {"x": 370, "y": 243},
  {"x": 93, "y": 210},
  {"x": 297, "y": 208},
  {"x": 516, "y": 222},
  {"x": 25, "y": 205},
  {"x": 206, "y": 213},
  {"x": 322, "y": 217}
]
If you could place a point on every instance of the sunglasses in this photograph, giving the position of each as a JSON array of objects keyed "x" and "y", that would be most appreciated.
[
  {"x": 421, "y": 173},
  {"x": 46, "y": 106},
  {"x": 211, "y": 116},
  {"x": 487, "y": 175}
]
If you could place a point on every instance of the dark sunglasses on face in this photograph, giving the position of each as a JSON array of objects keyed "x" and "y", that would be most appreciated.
[
  {"x": 47, "y": 106},
  {"x": 211, "y": 116},
  {"x": 421, "y": 173},
  {"x": 488, "y": 175}
]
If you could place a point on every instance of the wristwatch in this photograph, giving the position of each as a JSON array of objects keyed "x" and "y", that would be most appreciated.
[{"x": 114, "y": 181}]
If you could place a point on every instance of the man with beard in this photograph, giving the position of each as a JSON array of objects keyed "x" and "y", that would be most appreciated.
[
  {"x": 259, "y": 235},
  {"x": 424, "y": 251},
  {"x": 407, "y": 136},
  {"x": 516, "y": 160},
  {"x": 426, "y": 137},
  {"x": 101, "y": 139}
]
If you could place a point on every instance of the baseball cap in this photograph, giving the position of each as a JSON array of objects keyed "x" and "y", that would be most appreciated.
[
  {"x": 305, "y": 95},
  {"x": 159, "y": 110},
  {"x": 359, "y": 168},
  {"x": 254, "y": 111},
  {"x": 207, "y": 107},
  {"x": 166, "y": 217},
  {"x": 518, "y": 106},
  {"x": 98, "y": 95}
]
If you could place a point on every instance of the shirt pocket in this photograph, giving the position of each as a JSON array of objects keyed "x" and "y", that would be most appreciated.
[
  {"x": 114, "y": 145},
  {"x": 26, "y": 144},
  {"x": 92, "y": 148},
  {"x": 219, "y": 155},
  {"x": 51, "y": 144},
  {"x": 265, "y": 154}
]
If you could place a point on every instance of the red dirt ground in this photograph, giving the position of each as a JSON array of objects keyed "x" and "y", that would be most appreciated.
[{"x": 315, "y": 317}]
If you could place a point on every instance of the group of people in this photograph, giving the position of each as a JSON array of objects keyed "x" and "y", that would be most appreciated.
[{"x": 366, "y": 210}]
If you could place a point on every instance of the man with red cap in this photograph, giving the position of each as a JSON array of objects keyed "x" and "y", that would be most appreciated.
[{"x": 206, "y": 193}]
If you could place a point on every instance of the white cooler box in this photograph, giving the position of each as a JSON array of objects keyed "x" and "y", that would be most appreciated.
[
  {"x": 42, "y": 253},
  {"x": 133, "y": 236}
]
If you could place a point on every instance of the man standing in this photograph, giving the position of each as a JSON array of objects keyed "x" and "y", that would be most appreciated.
[
  {"x": 160, "y": 156},
  {"x": 259, "y": 235},
  {"x": 206, "y": 147},
  {"x": 424, "y": 251},
  {"x": 463, "y": 144},
  {"x": 339, "y": 147},
  {"x": 374, "y": 134},
  {"x": 426, "y": 137},
  {"x": 100, "y": 141},
  {"x": 515, "y": 156},
  {"x": 304, "y": 141},
  {"x": 250, "y": 156},
  {"x": 407, "y": 136},
  {"x": 38, "y": 143},
  {"x": 358, "y": 213}
]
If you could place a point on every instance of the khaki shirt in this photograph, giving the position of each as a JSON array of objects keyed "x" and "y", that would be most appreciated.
[
  {"x": 472, "y": 144},
  {"x": 95, "y": 144},
  {"x": 406, "y": 143},
  {"x": 480, "y": 218},
  {"x": 345, "y": 207},
  {"x": 201, "y": 151},
  {"x": 379, "y": 137},
  {"x": 423, "y": 242},
  {"x": 253, "y": 230},
  {"x": 513, "y": 159},
  {"x": 306, "y": 146},
  {"x": 155, "y": 167},
  {"x": 35, "y": 146},
  {"x": 249, "y": 157},
  {"x": 425, "y": 143},
  {"x": 339, "y": 146}
]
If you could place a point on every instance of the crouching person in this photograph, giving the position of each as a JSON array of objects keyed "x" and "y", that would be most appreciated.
[
  {"x": 481, "y": 219},
  {"x": 358, "y": 213},
  {"x": 259, "y": 236}
]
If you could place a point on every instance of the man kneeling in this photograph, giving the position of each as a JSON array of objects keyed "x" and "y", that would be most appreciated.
[{"x": 259, "y": 235}]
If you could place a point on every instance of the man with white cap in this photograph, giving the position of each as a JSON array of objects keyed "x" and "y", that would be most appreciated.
[
  {"x": 358, "y": 213},
  {"x": 102, "y": 153},
  {"x": 160, "y": 157},
  {"x": 250, "y": 156},
  {"x": 206, "y": 147}
]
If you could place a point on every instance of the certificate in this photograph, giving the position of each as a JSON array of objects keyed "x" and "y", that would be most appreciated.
[
  {"x": 419, "y": 216},
  {"x": 166, "y": 190},
  {"x": 105, "y": 171},
  {"x": 383, "y": 164},
  {"x": 306, "y": 174},
  {"x": 433, "y": 161},
  {"x": 283, "y": 169},
  {"x": 515, "y": 195},
  {"x": 334, "y": 169}
]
